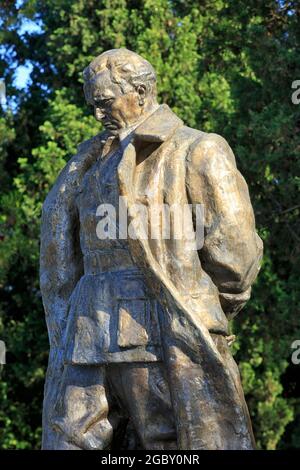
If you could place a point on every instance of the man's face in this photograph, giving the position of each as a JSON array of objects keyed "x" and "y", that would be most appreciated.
[{"x": 115, "y": 110}]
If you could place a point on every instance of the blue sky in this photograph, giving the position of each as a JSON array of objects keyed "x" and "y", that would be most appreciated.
[{"x": 22, "y": 73}]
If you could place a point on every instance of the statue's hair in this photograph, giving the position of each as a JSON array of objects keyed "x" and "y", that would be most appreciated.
[{"x": 126, "y": 68}]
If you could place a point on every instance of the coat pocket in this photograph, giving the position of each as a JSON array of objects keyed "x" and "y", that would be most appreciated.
[{"x": 135, "y": 323}]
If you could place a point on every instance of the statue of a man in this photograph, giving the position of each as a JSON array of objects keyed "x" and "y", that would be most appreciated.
[{"x": 138, "y": 325}]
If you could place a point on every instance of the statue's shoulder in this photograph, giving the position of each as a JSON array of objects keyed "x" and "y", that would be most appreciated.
[
  {"x": 92, "y": 145},
  {"x": 70, "y": 177},
  {"x": 208, "y": 148},
  {"x": 86, "y": 154}
]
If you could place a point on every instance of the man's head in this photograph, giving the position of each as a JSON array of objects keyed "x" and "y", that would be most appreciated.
[{"x": 121, "y": 86}]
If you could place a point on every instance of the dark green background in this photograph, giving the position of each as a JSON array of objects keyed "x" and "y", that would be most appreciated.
[{"x": 223, "y": 66}]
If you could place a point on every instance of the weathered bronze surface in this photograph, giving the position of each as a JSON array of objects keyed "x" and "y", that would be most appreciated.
[{"x": 138, "y": 326}]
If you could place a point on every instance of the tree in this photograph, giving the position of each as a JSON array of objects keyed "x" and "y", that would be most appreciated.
[{"x": 223, "y": 66}]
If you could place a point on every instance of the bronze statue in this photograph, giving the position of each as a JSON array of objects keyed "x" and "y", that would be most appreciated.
[{"x": 138, "y": 325}]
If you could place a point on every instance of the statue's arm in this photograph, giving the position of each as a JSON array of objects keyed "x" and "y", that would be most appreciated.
[
  {"x": 60, "y": 255},
  {"x": 61, "y": 260},
  {"x": 61, "y": 266},
  {"x": 232, "y": 250}
]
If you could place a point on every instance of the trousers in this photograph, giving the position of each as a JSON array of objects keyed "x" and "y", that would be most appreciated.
[
  {"x": 128, "y": 406},
  {"x": 99, "y": 405}
]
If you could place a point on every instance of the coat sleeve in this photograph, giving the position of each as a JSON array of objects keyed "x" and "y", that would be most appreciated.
[
  {"x": 61, "y": 266},
  {"x": 232, "y": 250},
  {"x": 60, "y": 256},
  {"x": 61, "y": 261}
]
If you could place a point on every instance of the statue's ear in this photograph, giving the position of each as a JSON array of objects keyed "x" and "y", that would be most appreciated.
[{"x": 141, "y": 90}]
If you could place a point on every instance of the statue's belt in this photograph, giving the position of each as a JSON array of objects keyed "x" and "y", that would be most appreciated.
[{"x": 97, "y": 262}]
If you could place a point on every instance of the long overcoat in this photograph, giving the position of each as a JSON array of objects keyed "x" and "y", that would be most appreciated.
[{"x": 199, "y": 287}]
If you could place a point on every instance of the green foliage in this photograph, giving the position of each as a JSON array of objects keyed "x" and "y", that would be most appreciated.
[{"x": 223, "y": 66}]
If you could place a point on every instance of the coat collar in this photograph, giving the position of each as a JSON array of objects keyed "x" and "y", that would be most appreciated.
[
  {"x": 158, "y": 126},
  {"x": 155, "y": 128}
]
